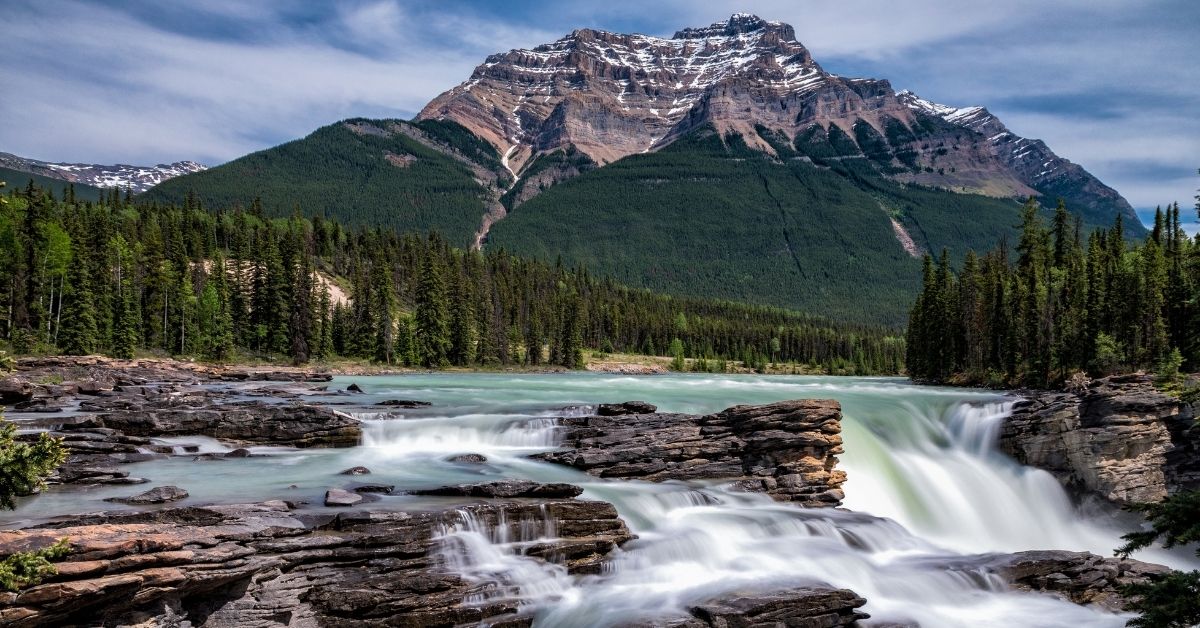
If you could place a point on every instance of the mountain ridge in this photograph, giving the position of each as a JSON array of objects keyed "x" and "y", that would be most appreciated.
[
  {"x": 121, "y": 176},
  {"x": 612, "y": 95}
]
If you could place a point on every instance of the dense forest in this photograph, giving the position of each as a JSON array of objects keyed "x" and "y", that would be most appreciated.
[
  {"x": 125, "y": 278},
  {"x": 709, "y": 216},
  {"x": 407, "y": 176},
  {"x": 1064, "y": 304}
]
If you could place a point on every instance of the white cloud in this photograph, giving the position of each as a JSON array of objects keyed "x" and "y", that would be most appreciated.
[{"x": 95, "y": 84}]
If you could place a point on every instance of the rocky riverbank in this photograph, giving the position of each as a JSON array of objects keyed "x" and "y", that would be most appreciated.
[{"x": 1117, "y": 438}]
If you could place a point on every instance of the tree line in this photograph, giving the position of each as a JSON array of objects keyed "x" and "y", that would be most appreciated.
[
  {"x": 1065, "y": 304},
  {"x": 122, "y": 277}
]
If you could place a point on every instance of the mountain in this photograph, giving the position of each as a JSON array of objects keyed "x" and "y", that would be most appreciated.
[
  {"x": 610, "y": 95},
  {"x": 121, "y": 176},
  {"x": 722, "y": 162},
  {"x": 421, "y": 176}
]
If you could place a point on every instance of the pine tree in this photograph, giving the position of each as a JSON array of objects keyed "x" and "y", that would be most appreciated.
[
  {"x": 384, "y": 300},
  {"x": 79, "y": 330},
  {"x": 25, "y": 465},
  {"x": 462, "y": 324},
  {"x": 432, "y": 325}
]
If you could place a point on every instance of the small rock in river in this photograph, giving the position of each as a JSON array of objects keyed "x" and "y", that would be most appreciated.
[
  {"x": 156, "y": 495},
  {"x": 356, "y": 471},
  {"x": 468, "y": 458},
  {"x": 339, "y": 497}
]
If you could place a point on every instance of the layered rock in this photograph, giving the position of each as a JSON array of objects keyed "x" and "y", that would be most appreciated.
[
  {"x": 266, "y": 565},
  {"x": 1080, "y": 577},
  {"x": 295, "y": 425},
  {"x": 800, "y": 607},
  {"x": 787, "y": 449},
  {"x": 1118, "y": 438}
]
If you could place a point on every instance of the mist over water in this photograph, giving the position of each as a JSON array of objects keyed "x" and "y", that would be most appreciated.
[{"x": 927, "y": 492}]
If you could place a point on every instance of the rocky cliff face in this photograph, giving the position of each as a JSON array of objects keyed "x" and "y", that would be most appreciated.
[
  {"x": 1119, "y": 439},
  {"x": 611, "y": 95}
]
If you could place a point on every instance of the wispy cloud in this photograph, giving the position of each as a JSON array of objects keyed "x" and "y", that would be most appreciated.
[{"x": 1110, "y": 84}]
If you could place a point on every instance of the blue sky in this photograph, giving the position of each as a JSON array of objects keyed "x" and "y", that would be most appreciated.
[{"x": 1113, "y": 85}]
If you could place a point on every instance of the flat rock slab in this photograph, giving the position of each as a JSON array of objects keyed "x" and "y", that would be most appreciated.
[
  {"x": 505, "y": 489},
  {"x": 156, "y": 495},
  {"x": 340, "y": 497}
]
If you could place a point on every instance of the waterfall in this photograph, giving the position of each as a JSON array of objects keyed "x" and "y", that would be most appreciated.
[{"x": 939, "y": 474}]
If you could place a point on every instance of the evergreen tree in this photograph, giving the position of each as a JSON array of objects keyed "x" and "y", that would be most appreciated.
[
  {"x": 462, "y": 324},
  {"x": 79, "y": 331},
  {"x": 432, "y": 325}
]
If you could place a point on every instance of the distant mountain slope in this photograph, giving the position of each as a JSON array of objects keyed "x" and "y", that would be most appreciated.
[
  {"x": 17, "y": 180},
  {"x": 391, "y": 173},
  {"x": 709, "y": 216},
  {"x": 121, "y": 176}
]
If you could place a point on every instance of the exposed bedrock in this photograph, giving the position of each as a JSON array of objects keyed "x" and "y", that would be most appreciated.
[
  {"x": 1118, "y": 438},
  {"x": 1080, "y": 577},
  {"x": 265, "y": 565},
  {"x": 787, "y": 449}
]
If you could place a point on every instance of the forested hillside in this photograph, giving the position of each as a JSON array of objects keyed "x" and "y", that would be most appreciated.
[
  {"x": 411, "y": 177},
  {"x": 707, "y": 216},
  {"x": 18, "y": 179},
  {"x": 1063, "y": 301},
  {"x": 123, "y": 278}
]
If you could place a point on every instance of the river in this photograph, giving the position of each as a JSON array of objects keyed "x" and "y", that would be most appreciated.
[{"x": 927, "y": 492}]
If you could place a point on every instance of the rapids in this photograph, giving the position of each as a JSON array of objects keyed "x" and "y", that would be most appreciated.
[{"x": 927, "y": 491}]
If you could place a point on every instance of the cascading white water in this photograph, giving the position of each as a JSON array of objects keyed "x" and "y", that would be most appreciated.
[
  {"x": 939, "y": 477},
  {"x": 942, "y": 478}
]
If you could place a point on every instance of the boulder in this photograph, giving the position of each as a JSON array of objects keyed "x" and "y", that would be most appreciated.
[
  {"x": 787, "y": 449},
  {"x": 1080, "y": 577},
  {"x": 339, "y": 497},
  {"x": 156, "y": 495},
  {"x": 468, "y": 459},
  {"x": 15, "y": 391},
  {"x": 355, "y": 471}
]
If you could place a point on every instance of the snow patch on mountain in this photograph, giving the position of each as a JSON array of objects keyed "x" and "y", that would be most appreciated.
[{"x": 121, "y": 176}]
